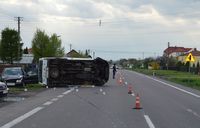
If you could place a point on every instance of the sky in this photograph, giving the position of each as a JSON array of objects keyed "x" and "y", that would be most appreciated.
[{"x": 112, "y": 29}]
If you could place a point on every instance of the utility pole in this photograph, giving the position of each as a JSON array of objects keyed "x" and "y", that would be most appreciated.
[
  {"x": 19, "y": 19},
  {"x": 70, "y": 47},
  {"x": 168, "y": 55},
  {"x": 93, "y": 55},
  {"x": 99, "y": 22}
]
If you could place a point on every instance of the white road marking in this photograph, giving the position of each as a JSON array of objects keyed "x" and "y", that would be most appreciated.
[
  {"x": 194, "y": 113},
  {"x": 65, "y": 93},
  {"x": 60, "y": 96},
  {"x": 149, "y": 122},
  {"x": 47, "y": 103},
  {"x": 54, "y": 99},
  {"x": 21, "y": 118},
  {"x": 32, "y": 112},
  {"x": 104, "y": 93},
  {"x": 190, "y": 93}
]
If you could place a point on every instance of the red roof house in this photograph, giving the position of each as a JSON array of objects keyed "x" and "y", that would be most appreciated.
[{"x": 176, "y": 51}]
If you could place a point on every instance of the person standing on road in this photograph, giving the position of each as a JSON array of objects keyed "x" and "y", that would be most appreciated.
[{"x": 114, "y": 70}]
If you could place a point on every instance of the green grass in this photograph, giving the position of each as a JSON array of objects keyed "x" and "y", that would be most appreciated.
[
  {"x": 29, "y": 87},
  {"x": 183, "y": 78}
]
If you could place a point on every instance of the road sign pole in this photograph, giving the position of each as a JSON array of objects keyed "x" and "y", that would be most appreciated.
[{"x": 189, "y": 66}]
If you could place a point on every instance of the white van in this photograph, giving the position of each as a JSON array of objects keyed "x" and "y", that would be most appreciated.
[{"x": 66, "y": 71}]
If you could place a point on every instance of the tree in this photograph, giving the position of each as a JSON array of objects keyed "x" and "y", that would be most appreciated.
[
  {"x": 10, "y": 46},
  {"x": 25, "y": 50},
  {"x": 110, "y": 62},
  {"x": 162, "y": 60},
  {"x": 123, "y": 62},
  {"x": 179, "y": 65},
  {"x": 193, "y": 65},
  {"x": 147, "y": 61},
  {"x": 45, "y": 46},
  {"x": 55, "y": 44},
  {"x": 198, "y": 65}
]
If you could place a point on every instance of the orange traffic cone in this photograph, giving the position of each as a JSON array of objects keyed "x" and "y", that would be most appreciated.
[
  {"x": 137, "y": 102},
  {"x": 120, "y": 81},
  {"x": 130, "y": 89}
]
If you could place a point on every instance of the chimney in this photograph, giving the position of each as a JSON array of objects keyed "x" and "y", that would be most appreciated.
[{"x": 168, "y": 44}]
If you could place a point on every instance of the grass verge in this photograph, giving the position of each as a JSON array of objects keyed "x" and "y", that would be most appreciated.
[
  {"x": 183, "y": 78},
  {"x": 29, "y": 87}
]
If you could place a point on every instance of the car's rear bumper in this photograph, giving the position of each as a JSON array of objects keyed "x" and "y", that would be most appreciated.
[
  {"x": 13, "y": 84},
  {"x": 3, "y": 92}
]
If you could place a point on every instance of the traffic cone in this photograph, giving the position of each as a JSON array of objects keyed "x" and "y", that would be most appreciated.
[
  {"x": 137, "y": 102},
  {"x": 130, "y": 89},
  {"x": 120, "y": 81}
]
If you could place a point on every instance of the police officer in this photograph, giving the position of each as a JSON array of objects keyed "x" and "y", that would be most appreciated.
[{"x": 114, "y": 70}]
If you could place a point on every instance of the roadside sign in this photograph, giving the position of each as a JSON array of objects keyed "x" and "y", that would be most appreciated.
[{"x": 190, "y": 58}]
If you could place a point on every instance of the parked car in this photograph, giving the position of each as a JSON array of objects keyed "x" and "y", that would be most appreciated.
[
  {"x": 14, "y": 76},
  {"x": 3, "y": 89},
  {"x": 32, "y": 76}
]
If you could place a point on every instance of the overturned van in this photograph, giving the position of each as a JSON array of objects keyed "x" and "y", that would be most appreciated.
[{"x": 72, "y": 71}]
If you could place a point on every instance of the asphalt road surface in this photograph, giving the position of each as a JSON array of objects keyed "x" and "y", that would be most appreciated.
[{"x": 164, "y": 105}]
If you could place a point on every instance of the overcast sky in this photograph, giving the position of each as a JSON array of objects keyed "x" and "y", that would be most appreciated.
[{"x": 128, "y": 29}]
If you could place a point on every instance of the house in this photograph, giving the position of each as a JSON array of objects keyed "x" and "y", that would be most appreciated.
[
  {"x": 30, "y": 51},
  {"x": 195, "y": 53},
  {"x": 176, "y": 51},
  {"x": 26, "y": 59},
  {"x": 73, "y": 53}
]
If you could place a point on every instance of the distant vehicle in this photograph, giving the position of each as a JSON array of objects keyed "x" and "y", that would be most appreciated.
[
  {"x": 32, "y": 77},
  {"x": 3, "y": 89},
  {"x": 14, "y": 76},
  {"x": 73, "y": 71}
]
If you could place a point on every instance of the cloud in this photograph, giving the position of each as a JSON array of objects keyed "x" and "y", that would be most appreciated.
[{"x": 129, "y": 23}]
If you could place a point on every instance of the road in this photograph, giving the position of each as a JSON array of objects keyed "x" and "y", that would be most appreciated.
[{"x": 164, "y": 105}]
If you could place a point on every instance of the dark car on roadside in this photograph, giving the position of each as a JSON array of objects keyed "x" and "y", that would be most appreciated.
[
  {"x": 14, "y": 76},
  {"x": 3, "y": 89},
  {"x": 32, "y": 76}
]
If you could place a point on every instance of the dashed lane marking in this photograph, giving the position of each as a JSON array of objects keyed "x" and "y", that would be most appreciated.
[
  {"x": 32, "y": 112},
  {"x": 54, "y": 99},
  {"x": 194, "y": 113},
  {"x": 149, "y": 122},
  {"x": 47, "y": 103},
  {"x": 60, "y": 96},
  {"x": 66, "y": 92},
  {"x": 21, "y": 118}
]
